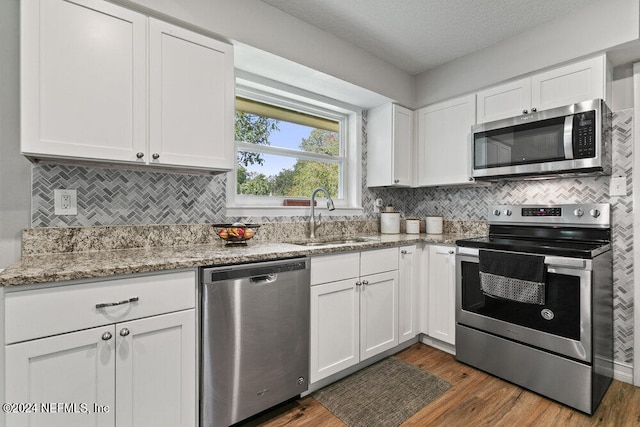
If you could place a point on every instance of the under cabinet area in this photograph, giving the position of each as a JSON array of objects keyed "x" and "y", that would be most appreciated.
[
  {"x": 577, "y": 82},
  {"x": 390, "y": 146},
  {"x": 123, "y": 351},
  {"x": 354, "y": 309},
  {"x": 101, "y": 83}
]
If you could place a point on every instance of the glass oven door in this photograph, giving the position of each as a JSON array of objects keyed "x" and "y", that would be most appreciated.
[{"x": 562, "y": 325}]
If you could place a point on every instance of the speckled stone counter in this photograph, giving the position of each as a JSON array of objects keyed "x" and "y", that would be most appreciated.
[{"x": 39, "y": 267}]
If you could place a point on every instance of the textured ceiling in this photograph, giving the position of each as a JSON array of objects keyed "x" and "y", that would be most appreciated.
[{"x": 417, "y": 35}]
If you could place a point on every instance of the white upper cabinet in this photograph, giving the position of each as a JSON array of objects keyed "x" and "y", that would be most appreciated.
[
  {"x": 507, "y": 100},
  {"x": 577, "y": 82},
  {"x": 389, "y": 146},
  {"x": 573, "y": 83},
  {"x": 83, "y": 80},
  {"x": 102, "y": 83},
  {"x": 191, "y": 98},
  {"x": 444, "y": 131}
]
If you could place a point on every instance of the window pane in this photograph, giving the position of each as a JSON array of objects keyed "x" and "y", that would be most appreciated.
[
  {"x": 264, "y": 130},
  {"x": 272, "y": 175}
]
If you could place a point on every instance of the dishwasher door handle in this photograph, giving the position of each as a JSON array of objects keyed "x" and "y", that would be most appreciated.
[{"x": 265, "y": 278}]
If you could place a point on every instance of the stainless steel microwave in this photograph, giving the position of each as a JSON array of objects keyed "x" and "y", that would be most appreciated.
[{"x": 562, "y": 141}]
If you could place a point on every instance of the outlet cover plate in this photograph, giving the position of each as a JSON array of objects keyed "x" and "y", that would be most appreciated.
[
  {"x": 65, "y": 202},
  {"x": 618, "y": 186}
]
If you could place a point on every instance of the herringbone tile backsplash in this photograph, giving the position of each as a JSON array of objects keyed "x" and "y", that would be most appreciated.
[{"x": 121, "y": 197}]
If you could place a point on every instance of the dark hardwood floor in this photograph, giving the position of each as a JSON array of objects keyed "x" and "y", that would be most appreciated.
[{"x": 475, "y": 399}]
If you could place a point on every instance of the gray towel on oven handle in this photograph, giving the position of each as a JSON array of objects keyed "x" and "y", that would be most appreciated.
[{"x": 514, "y": 277}]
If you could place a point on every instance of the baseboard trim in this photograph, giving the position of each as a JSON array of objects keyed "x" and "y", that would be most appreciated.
[{"x": 623, "y": 372}]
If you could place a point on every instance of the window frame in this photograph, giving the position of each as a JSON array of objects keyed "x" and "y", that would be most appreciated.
[{"x": 350, "y": 187}]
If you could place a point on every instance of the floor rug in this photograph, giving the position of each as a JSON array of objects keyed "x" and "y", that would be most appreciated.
[{"x": 385, "y": 394}]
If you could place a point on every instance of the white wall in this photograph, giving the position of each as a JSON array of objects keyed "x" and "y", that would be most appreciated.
[
  {"x": 15, "y": 170},
  {"x": 599, "y": 27},
  {"x": 264, "y": 27}
]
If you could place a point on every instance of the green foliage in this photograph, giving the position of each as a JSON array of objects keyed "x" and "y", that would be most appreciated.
[
  {"x": 255, "y": 130},
  {"x": 256, "y": 184}
]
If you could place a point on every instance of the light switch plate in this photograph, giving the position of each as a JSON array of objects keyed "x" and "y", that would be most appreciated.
[
  {"x": 65, "y": 202},
  {"x": 618, "y": 186}
]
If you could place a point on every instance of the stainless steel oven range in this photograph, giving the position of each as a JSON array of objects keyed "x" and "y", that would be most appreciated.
[{"x": 534, "y": 300}]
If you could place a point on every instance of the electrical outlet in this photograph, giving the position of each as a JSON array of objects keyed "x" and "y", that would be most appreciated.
[
  {"x": 65, "y": 202},
  {"x": 377, "y": 204},
  {"x": 618, "y": 186}
]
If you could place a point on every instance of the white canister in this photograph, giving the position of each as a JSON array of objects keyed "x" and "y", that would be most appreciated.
[
  {"x": 434, "y": 224},
  {"x": 390, "y": 222},
  {"x": 413, "y": 226}
]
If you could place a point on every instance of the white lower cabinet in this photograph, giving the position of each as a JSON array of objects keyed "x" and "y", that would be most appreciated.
[
  {"x": 408, "y": 289},
  {"x": 441, "y": 288},
  {"x": 354, "y": 309},
  {"x": 139, "y": 372}
]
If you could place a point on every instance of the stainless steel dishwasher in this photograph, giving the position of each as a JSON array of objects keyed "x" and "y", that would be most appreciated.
[{"x": 255, "y": 338}]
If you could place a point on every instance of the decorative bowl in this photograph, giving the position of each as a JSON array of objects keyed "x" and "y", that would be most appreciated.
[{"x": 236, "y": 233}]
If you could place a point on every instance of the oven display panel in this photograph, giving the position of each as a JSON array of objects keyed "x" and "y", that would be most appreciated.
[{"x": 541, "y": 211}]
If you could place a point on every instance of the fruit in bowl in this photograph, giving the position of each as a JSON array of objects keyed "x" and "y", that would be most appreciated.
[{"x": 236, "y": 232}]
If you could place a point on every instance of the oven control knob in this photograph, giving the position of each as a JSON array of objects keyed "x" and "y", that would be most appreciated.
[
  {"x": 594, "y": 213},
  {"x": 578, "y": 212},
  {"x": 507, "y": 212},
  {"x": 496, "y": 212}
]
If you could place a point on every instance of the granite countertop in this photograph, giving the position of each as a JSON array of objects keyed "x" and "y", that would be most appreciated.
[{"x": 59, "y": 267}]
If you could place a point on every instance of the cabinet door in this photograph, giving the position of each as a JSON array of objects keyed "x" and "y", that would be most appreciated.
[
  {"x": 75, "y": 368},
  {"x": 441, "y": 285},
  {"x": 378, "y": 313},
  {"x": 156, "y": 371},
  {"x": 444, "y": 131},
  {"x": 335, "y": 328},
  {"x": 574, "y": 83},
  {"x": 389, "y": 146},
  {"x": 191, "y": 99},
  {"x": 402, "y": 142},
  {"x": 83, "y": 80},
  {"x": 507, "y": 100},
  {"x": 408, "y": 299}
]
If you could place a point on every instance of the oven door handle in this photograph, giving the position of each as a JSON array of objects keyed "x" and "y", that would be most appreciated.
[
  {"x": 551, "y": 261},
  {"x": 554, "y": 261}
]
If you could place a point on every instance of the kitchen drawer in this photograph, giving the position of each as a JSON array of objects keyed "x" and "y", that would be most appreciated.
[
  {"x": 54, "y": 310},
  {"x": 378, "y": 261},
  {"x": 330, "y": 268}
]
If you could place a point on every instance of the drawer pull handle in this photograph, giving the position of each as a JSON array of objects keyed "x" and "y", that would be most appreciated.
[
  {"x": 106, "y": 336},
  {"x": 124, "y": 332},
  {"x": 111, "y": 304}
]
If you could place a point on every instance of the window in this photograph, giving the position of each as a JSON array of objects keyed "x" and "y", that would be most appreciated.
[{"x": 285, "y": 148}]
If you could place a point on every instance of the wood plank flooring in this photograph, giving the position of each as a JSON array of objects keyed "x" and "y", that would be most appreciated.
[{"x": 475, "y": 399}]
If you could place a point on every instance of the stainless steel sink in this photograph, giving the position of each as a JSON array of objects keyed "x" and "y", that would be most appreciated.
[{"x": 345, "y": 241}]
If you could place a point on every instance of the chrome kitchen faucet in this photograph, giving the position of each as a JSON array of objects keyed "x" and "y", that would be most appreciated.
[{"x": 312, "y": 219}]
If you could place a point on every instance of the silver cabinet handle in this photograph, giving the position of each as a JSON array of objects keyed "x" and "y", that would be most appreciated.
[
  {"x": 358, "y": 283},
  {"x": 124, "y": 332},
  {"x": 365, "y": 282},
  {"x": 111, "y": 304},
  {"x": 451, "y": 252},
  {"x": 403, "y": 252},
  {"x": 140, "y": 155},
  {"x": 525, "y": 111},
  {"x": 534, "y": 109},
  {"x": 106, "y": 336},
  {"x": 155, "y": 156},
  {"x": 395, "y": 181}
]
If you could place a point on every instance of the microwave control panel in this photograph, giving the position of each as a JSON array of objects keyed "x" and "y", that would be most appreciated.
[{"x": 584, "y": 135}]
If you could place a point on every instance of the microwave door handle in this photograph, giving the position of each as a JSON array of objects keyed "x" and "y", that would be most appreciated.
[{"x": 568, "y": 137}]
